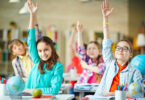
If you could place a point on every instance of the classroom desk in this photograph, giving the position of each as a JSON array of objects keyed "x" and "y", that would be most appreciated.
[
  {"x": 59, "y": 97},
  {"x": 65, "y": 87},
  {"x": 82, "y": 88},
  {"x": 68, "y": 77},
  {"x": 91, "y": 97}
]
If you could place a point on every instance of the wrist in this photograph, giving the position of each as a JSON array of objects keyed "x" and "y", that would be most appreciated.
[
  {"x": 79, "y": 32},
  {"x": 105, "y": 19},
  {"x": 32, "y": 14}
]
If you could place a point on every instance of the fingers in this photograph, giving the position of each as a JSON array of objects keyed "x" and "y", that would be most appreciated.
[
  {"x": 79, "y": 26},
  {"x": 78, "y": 23},
  {"x": 112, "y": 10},
  {"x": 107, "y": 4}
]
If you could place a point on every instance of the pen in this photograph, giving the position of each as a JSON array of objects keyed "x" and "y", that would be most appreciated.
[
  {"x": 118, "y": 87},
  {"x": 122, "y": 88},
  {"x": 125, "y": 88}
]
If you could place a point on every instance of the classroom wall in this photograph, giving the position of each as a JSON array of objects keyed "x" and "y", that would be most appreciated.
[
  {"x": 136, "y": 16},
  {"x": 63, "y": 13}
]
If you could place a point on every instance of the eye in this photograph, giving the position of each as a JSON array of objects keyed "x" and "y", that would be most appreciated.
[
  {"x": 125, "y": 48},
  {"x": 39, "y": 50},
  {"x": 45, "y": 49},
  {"x": 89, "y": 48},
  {"x": 117, "y": 48}
]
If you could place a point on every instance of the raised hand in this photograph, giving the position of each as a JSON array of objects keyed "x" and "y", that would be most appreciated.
[
  {"x": 32, "y": 7},
  {"x": 79, "y": 27},
  {"x": 106, "y": 11},
  {"x": 74, "y": 29},
  {"x": 84, "y": 64}
]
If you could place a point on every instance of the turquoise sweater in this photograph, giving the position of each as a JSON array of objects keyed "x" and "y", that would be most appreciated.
[{"x": 49, "y": 82}]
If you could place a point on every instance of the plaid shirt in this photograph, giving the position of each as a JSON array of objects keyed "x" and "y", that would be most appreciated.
[
  {"x": 127, "y": 76},
  {"x": 87, "y": 74}
]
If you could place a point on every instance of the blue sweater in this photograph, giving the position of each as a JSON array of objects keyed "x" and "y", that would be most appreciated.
[{"x": 49, "y": 82}]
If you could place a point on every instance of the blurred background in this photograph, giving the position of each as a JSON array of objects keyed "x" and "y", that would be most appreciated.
[{"x": 56, "y": 17}]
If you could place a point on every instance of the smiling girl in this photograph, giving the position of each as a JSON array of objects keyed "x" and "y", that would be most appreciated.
[{"x": 47, "y": 72}]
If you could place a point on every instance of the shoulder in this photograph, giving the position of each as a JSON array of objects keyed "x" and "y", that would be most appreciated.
[
  {"x": 58, "y": 67},
  {"x": 107, "y": 41},
  {"x": 15, "y": 60},
  {"x": 133, "y": 69},
  {"x": 58, "y": 64}
]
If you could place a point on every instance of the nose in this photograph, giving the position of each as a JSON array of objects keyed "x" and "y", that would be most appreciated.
[
  {"x": 121, "y": 49},
  {"x": 42, "y": 53}
]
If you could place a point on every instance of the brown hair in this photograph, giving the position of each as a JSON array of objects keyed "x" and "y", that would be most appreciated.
[
  {"x": 54, "y": 56},
  {"x": 96, "y": 43},
  {"x": 99, "y": 47},
  {"x": 129, "y": 43},
  {"x": 11, "y": 44}
]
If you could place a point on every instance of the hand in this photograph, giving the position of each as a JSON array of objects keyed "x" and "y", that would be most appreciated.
[
  {"x": 32, "y": 8},
  {"x": 74, "y": 29},
  {"x": 109, "y": 94},
  {"x": 79, "y": 27},
  {"x": 106, "y": 11},
  {"x": 84, "y": 64}
]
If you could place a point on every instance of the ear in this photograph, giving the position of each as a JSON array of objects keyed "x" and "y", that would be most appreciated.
[{"x": 131, "y": 55}]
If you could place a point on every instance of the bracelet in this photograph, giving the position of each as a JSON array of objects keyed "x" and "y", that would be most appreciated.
[{"x": 106, "y": 23}]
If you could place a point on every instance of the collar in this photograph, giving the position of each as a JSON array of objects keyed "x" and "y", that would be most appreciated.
[{"x": 21, "y": 57}]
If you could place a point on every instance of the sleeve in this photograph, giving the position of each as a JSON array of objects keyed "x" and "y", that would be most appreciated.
[
  {"x": 107, "y": 51},
  {"x": 32, "y": 46},
  {"x": 101, "y": 68},
  {"x": 82, "y": 53},
  {"x": 14, "y": 64},
  {"x": 38, "y": 33},
  {"x": 56, "y": 81},
  {"x": 137, "y": 77}
]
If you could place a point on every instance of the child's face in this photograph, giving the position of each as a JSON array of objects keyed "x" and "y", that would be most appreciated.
[
  {"x": 92, "y": 50},
  {"x": 122, "y": 51},
  {"x": 18, "y": 49},
  {"x": 44, "y": 51}
]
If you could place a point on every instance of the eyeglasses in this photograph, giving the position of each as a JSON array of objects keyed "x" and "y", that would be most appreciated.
[{"x": 124, "y": 49}]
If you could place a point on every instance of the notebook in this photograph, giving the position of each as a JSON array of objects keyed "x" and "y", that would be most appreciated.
[{"x": 92, "y": 97}]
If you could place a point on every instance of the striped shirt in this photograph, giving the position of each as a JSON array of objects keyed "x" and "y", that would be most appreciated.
[
  {"x": 22, "y": 65},
  {"x": 127, "y": 76}
]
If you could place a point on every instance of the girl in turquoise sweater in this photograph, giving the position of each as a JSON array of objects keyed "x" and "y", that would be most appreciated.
[{"x": 47, "y": 72}]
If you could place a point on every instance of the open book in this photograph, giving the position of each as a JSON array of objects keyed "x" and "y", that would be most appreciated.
[
  {"x": 94, "y": 97},
  {"x": 86, "y": 86}
]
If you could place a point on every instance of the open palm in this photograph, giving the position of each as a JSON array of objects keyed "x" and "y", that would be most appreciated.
[
  {"x": 106, "y": 11},
  {"x": 32, "y": 8},
  {"x": 79, "y": 27}
]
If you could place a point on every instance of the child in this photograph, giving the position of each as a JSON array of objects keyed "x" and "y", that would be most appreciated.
[
  {"x": 90, "y": 57},
  {"x": 118, "y": 70},
  {"x": 21, "y": 61},
  {"x": 47, "y": 72},
  {"x": 75, "y": 62}
]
